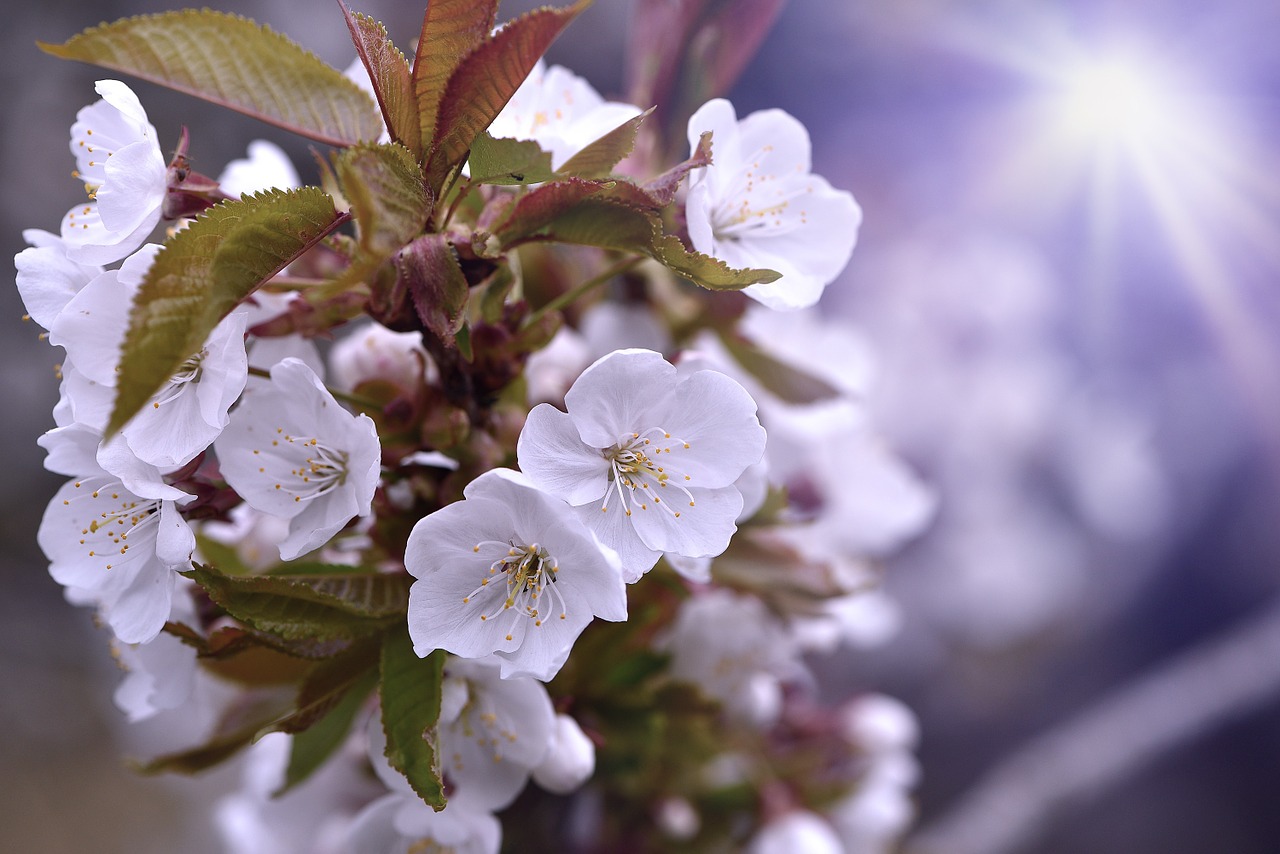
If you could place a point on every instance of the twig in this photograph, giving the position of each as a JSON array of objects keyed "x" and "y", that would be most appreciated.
[{"x": 1179, "y": 701}]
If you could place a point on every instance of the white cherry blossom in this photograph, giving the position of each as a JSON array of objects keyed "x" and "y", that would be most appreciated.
[
  {"x": 161, "y": 674},
  {"x": 798, "y": 830},
  {"x": 508, "y": 570},
  {"x": 266, "y": 166},
  {"x": 47, "y": 279},
  {"x": 570, "y": 759},
  {"x": 647, "y": 458},
  {"x": 374, "y": 352},
  {"x": 188, "y": 412},
  {"x": 110, "y": 545},
  {"x": 758, "y": 205},
  {"x": 560, "y": 111},
  {"x": 297, "y": 454},
  {"x": 119, "y": 160}
]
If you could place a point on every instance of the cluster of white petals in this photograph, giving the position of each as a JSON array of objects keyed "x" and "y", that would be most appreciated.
[
  {"x": 560, "y": 111},
  {"x": 296, "y": 454},
  {"x": 119, "y": 160},
  {"x": 758, "y": 205},
  {"x": 510, "y": 571},
  {"x": 647, "y": 458}
]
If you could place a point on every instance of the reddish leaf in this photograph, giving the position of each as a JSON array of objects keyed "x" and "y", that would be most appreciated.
[
  {"x": 486, "y": 79},
  {"x": 451, "y": 29},
  {"x": 662, "y": 189},
  {"x": 429, "y": 268},
  {"x": 598, "y": 159},
  {"x": 392, "y": 80},
  {"x": 540, "y": 207}
]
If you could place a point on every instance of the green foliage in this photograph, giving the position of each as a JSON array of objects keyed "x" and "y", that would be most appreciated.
[
  {"x": 485, "y": 80},
  {"x": 598, "y": 159},
  {"x": 410, "y": 691},
  {"x": 451, "y": 29},
  {"x": 236, "y": 63},
  {"x": 313, "y": 746},
  {"x": 392, "y": 79},
  {"x": 322, "y": 607},
  {"x": 388, "y": 199},
  {"x": 542, "y": 207},
  {"x": 508, "y": 161},
  {"x": 788, "y": 382},
  {"x": 202, "y": 273},
  {"x": 614, "y": 225}
]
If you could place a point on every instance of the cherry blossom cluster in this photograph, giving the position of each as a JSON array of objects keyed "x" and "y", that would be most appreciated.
[{"x": 618, "y": 469}]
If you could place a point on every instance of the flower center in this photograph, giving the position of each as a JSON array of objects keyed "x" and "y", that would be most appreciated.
[
  {"x": 188, "y": 374},
  {"x": 528, "y": 573},
  {"x": 303, "y": 466},
  {"x": 118, "y": 520},
  {"x": 638, "y": 471},
  {"x": 754, "y": 202}
]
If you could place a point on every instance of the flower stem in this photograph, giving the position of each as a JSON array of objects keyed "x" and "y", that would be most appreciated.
[{"x": 571, "y": 296}]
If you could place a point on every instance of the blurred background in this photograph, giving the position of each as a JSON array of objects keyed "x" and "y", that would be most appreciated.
[{"x": 1068, "y": 275}]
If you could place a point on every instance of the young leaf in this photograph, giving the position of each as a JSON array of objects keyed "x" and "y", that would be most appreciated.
[
  {"x": 391, "y": 77},
  {"x": 451, "y": 29},
  {"x": 662, "y": 189},
  {"x": 325, "y": 686},
  {"x": 388, "y": 199},
  {"x": 598, "y": 159},
  {"x": 232, "y": 61},
  {"x": 410, "y": 693},
  {"x": 239, "y": 724},
  {"x": 311, "y": 748},
  {"x": 704, "y": 270},
  {"x": 202, "y": 273},
  {"x": 790, "y": 383},
  {"x": 321, "y": 607},
  {"x": 540, "y": 207},
  {"x": 428, "y": 268},
  {"x": 486, "y": 79},
  {"x": 508, "y": 161}
]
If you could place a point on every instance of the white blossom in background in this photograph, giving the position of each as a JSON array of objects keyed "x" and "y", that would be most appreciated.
[
  {"x": 253, "y": 535},
  {"x": 550, "y": 372},
  {"x": 399, "y": 822},
  {"x": 160, "y": 674},
  {"x": 735, "y": 651},
  {"x": 795, "y": 832},
  {"x": 311, "y": 818},
  {"x": 298, "y": 455},
  {"x": 758, "y": 205},
  {"x": 560, "y": 111},
  {"x": 648, "y": 459},
  {"x": 374, "y": 352},
  {"x": 47, "y": 279},
  {"x": 111, "y": 546},
  {"x": 125, "y": 175},
  {"x": 570, "y": 759},
  {"x": 508, "y": 570},
  {"x": 493, "y": 731},
  {"x": 265, "y": 167}
]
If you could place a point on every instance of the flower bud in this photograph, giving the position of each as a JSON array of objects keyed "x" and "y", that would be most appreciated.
[{"x": 570, "y": 760}]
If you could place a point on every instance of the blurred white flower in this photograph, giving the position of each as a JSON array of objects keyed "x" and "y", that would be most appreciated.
[
  {"x": 265, "y": 167},
  {"x": 570, "y": 759},
  {"x": 797, "y": 831},
  {"x": 374, "y": 352}
]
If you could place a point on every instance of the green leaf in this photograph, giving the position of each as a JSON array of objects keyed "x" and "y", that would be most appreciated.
[
  {"x": 311, "y": 748},
  {"x": 410, "y": 693},
  {"x": 509, "y": 161},
  {"x": 429, "y": 269},
  {"x": 598, "y": 159},
  {"x": 392, "y": 80},
  {"x": 451, "y": 29},
  {"x": 613, "y": 225},
  {"x": 388, "y": 198},
  {"x": 486, "y": 79},
  {"x": 327, "y": 684},
  {"x": 543, "y": 206},
  {"x": 236, "y": 63},
  {"x": 788, "y": 382},
  {"x": 309, "y": 607},
  {"x": 202, "y": 273}
]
